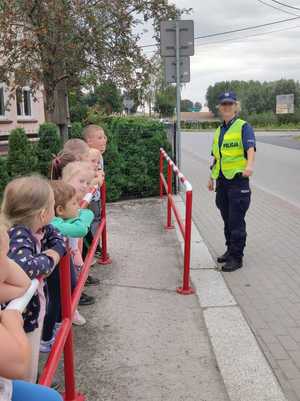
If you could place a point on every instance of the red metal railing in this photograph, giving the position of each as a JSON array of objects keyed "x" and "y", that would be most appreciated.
[
  {"x": 186, "y": 227},
  {"x": 64, "y": 338}
]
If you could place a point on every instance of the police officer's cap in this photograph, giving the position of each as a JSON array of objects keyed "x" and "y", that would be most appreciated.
[{"x": 228, "y": 97}]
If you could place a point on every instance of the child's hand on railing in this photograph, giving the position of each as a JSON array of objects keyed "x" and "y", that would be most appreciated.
[{"x": 54, "y": 255}]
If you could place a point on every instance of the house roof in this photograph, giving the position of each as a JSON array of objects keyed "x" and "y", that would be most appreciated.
[{"x": 198, "y": 116}]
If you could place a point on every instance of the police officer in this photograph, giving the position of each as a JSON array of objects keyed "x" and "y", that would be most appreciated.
[{"x": 232, "y": 164}]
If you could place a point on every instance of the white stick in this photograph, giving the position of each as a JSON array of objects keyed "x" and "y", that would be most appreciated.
[{"x": 21, "y": 303}]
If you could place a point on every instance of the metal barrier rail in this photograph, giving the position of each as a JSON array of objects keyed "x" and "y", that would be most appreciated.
[
  {"x": 64, "y": 337},
  {"x": 186, "y": 227}
]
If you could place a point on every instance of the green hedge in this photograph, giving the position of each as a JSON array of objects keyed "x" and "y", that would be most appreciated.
[
  {"x": 21, "y": 158},
  {"x": 49, "y": 144},
  {"x": 131, "y": 159},
  {"x": 132, "y": 156}
]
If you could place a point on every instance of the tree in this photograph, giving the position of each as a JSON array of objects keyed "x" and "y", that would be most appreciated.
[
  {"x": 186, "y": 105},
  {"x": 21, "y": 159},
  {"x": 49, "y": 144},
  {"x": 77, "y": 106},
  {"x": 45, "y": 42},
  {"x": 255, "y": 97},
  {"x": 76, "y": 130},
  {"x": 107, "y": 96},
  {"x": 165, "y": 101},
  {"x": 198, "y": 105}
]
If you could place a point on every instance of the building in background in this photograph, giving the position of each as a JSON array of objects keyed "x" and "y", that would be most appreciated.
[{"x": 21, "y": 111}]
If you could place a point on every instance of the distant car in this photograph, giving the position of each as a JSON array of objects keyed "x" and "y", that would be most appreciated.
[{"x": 164, "y": 120}]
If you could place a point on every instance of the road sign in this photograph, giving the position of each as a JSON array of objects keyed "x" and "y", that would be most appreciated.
[
  {"x": 170, "y": 69},
  {"x": 168, "y": 38},
  {"x": 285, "y": 104}
]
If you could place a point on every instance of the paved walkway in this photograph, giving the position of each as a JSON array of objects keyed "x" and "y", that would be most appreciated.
[
  {"x": 143, "y": 341},
  {"x": 268, "y": 287}
]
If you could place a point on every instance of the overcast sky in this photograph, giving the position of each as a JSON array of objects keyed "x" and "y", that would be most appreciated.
[{"x": 267, "y": 57}]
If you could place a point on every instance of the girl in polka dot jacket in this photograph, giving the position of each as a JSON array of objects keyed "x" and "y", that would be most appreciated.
[{"x": 28, "y": 208}]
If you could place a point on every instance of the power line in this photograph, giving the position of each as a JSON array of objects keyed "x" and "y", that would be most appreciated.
[
  {"x": 234, "y": 30},
  {"x": 246, "y": 29},
  {"x": 285, "y": 5},
  {"x": 246, "y": 37},
  {"x": 277, "y": 8},
  {"x": 238, "y": 38}
]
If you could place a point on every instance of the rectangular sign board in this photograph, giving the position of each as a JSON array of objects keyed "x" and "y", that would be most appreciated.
[
  {"x": 285, "y": 104},
  {"x": 170, "y": 69},
  {"x": 168, "y": 38}
]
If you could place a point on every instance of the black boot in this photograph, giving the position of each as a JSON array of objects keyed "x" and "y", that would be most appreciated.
[
  {"x": 92, "y": 281},
  {"x": 232, "y": 264},
  {"x": 223, "y": 258},
  {"x": 86, "y": 300}
]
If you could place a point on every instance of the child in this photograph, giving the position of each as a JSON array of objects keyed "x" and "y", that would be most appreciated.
[
  {"x": 78, "y": 148},
  {"x": 28, "y": 208},
  {"x": 70, "y": 221},
  {"x": 14, "y": 345},
  {"x": 13, "y": 280},
  {"x": 95, "y": 158},
  {"x": 95, "y": 138},
  {"x": 59, "y": 162},
  {"x": 80, "y": 175}
]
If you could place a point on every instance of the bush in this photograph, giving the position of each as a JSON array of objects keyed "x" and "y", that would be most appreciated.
[
  {"x": 21, "y": 156},
  {"x": 138, "y": 141},
  {"x": 76, "y": 130},
  {"x": 113, "y": 165},
  {"x": 49, "y": 144},
  {"x": 131, "y": 159},
  {"x": 4, "y": 177}
]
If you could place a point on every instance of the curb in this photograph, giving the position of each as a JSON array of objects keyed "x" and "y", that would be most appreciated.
[{"x": 246, "y": 373}]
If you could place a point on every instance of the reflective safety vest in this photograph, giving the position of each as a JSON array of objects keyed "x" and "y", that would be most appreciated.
[{"x": 230, "y": 158}]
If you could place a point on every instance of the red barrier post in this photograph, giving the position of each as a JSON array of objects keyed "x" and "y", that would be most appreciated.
[
  {"x": 161, "y": 170},
  {"x": 169, "y": 224},
  {"x": 66, "y": 311},
  {"x": 186, "y": 288},
  {"x": 104, "y": 260}
]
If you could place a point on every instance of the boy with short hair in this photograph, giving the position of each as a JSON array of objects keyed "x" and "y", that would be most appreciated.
[{"x": 95, "y": 137}]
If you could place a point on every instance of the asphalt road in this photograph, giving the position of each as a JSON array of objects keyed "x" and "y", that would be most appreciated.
[{"x": 277, "y": 168}]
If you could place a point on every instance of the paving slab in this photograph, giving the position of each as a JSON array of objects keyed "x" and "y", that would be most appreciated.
[
  {"x": 211, "y": 288},
  {"x": 246, "y": 373},
  {"x": 200, "y": 256}
]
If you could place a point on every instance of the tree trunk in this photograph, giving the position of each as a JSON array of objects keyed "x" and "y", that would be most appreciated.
[{"x": 57, "y": 107}]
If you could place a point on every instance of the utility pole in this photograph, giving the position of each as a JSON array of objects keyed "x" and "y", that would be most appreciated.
[{"x": 178, "y": 90}]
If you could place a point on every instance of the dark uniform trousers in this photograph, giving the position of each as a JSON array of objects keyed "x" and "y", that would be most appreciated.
[{"x": 233, "y": 200}]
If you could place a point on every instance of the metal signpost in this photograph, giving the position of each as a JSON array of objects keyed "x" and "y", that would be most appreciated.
[{"x": 176, "y": 46}]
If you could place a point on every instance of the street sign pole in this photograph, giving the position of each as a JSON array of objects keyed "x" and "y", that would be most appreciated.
[
  {"x": 178, "y": 94},
  {"x": 176, "y": 46}
]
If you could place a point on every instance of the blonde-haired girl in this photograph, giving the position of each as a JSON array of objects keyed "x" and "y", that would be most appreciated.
[
  {"x": 78, "y": 148},
  {"x": 81, "y": 176},
  {"x": 28, "y": 208}
]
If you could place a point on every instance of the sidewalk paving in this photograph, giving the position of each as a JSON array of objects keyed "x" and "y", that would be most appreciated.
[
  {"x": 143, "y": 341},
  {"x": 268, "y": 287}
]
